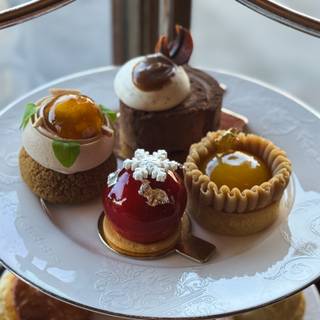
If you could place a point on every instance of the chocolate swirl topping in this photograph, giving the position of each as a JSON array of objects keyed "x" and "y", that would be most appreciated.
[
  {"x": 180, "y": 49},
  {"x": 153, "y": 73}
]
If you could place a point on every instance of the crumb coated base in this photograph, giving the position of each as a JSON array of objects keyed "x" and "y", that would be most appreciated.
[
  {"x": 57, "y": 187},
  {"x": 234, "y": 224},
  {"x": 135, "y": 249}
]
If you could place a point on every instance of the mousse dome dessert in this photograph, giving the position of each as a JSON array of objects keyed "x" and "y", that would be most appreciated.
[
  {"x": 164, "y": 103},
  {"x": 143, "y": 205},
  {"x": 67, "y": 145}
]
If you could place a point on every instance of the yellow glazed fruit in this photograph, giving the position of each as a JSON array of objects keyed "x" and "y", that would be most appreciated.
[
  {"x": 74, "y": 117},
  {"x": 237, "y": 169}
]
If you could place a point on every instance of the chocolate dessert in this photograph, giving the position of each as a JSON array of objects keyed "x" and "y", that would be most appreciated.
[
  {"x": 177, "y": 128},
  {"x": 164, "y": 118}
]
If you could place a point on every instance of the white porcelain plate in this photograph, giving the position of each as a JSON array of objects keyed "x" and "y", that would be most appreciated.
[{"x": 62, "y": 253}]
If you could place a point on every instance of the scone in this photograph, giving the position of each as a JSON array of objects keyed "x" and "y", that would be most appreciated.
[
  {"x": 164, "y": 103},
  {"x": 292, "y": 308},
  {"x": 19, "y": 301},
  {"x": 235, "y": 182},
  {"x": 67, "y": 147},
  {"x": 143, "y": 204}
]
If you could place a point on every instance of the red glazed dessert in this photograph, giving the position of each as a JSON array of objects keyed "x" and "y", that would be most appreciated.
[{"x": 144, "y": 203}]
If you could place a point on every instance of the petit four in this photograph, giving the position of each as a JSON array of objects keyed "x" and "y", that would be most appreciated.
[
  {"x": 235, "y": 182},
  {"x": 164, "y": 103},
  {"x": 143, "y": 204},
  {"x": 67, "y": 145},
  {"x": 19, "y": 301}
]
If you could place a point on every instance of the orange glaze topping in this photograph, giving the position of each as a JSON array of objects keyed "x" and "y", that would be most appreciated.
[
  {"x": 237, "y": 169},
  {"x": 74, "y": 116}
]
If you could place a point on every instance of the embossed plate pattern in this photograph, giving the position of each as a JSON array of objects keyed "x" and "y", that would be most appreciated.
[{"x": 62, "y": 254}]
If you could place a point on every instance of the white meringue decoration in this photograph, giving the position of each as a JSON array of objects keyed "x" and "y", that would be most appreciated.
[{"x": 155, "y": 165}]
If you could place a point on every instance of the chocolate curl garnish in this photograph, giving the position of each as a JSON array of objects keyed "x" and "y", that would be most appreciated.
[{"x": 180, "y": 49}]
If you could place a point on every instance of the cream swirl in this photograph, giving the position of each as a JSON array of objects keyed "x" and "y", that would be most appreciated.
[
  {"x": 151, "y": 83},
  {"x": 39, "y": 148}
]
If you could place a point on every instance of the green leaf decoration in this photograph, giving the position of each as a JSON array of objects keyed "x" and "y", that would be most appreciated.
[
  {"x": 29, "y": 111},
  {"x": 66, "y": 152},
  {"x": 112, "y": 116}
]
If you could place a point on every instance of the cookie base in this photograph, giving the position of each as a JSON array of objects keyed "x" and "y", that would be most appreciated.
[
  {"x": 134, "y": 249},
  {"x": 56, "y": 187}
]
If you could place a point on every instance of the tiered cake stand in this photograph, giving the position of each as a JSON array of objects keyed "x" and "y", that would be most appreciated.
[{"x": 60, "y": 251}]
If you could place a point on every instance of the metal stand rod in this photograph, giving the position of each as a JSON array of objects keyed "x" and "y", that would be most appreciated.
[
  {"x": 285, "y": 16},
  {"x": 28, "y": 11}
]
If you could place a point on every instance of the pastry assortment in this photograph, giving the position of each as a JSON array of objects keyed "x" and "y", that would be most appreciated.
[
  {"x": 67, "y": 147},
  {"x": 231, "y": 182},
  {"x": 235, "y": 182},
  {"x": 165, "y": 103}
]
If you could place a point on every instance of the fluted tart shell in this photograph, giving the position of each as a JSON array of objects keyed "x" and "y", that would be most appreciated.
[{"x": 235, "y": 212}]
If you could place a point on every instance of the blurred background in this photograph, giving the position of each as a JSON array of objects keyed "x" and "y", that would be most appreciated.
[{"x": 227, "y": 36}]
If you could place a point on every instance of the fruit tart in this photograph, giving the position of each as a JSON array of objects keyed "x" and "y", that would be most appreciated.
[
  {"x": 235, "y": 182},
  {"x": 143, "y": 204},
  {"x": 165, "y": 103},
  {"x": 67, "y": 147}
]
